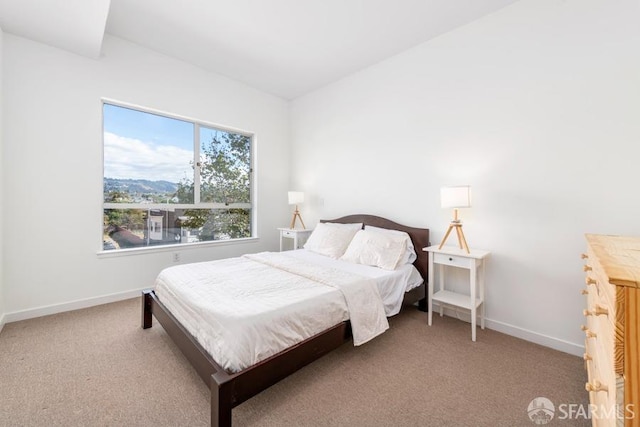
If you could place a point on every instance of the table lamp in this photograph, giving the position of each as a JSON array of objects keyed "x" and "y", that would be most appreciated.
[
  {"x": 455, "y": 197},
  {"x": 296, "y": 197}
]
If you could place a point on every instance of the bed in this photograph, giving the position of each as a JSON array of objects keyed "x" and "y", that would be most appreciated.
[{"x": 233, "y": 384}]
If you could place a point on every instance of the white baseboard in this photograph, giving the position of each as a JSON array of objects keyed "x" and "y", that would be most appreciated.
[
  {"x": 535, "y": 337},
  {"x": 68, "y": 306},
  {"x": 525, "y": 334}
]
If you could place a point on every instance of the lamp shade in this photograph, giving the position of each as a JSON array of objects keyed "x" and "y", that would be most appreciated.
[
  {"x": 296, "y": 197},
  {"x": 455, "y": 197}
]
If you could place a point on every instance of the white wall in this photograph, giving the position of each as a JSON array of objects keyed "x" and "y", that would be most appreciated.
[
  {"x": 536, "y": 107},
  {"x": 53, "y": 166},
  {"x": 1, "y": 193}
]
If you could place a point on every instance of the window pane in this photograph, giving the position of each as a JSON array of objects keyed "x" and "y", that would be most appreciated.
[
  {"x": 151, "y": 194},
  {"x": 225, "y": 167},
  {"x": 148, "y": 158},
  {"x": 135, "y": 228}
]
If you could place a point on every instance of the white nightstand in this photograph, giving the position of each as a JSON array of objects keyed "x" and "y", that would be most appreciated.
[
  {"x": 474, "y": 262},
  {"x": 298, "y": 236}
]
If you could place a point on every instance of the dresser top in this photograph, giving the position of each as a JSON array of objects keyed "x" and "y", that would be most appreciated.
[{"x": 619, "y": 257}]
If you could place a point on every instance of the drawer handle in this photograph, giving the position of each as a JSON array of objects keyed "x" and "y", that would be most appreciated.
[
  {"x": 584, "y": 292},
  {"x": 588, "y": 332},
  {"x": 586, "y": 267},
  {"x": 599, "y": 310},
  {"x": 584, "y": 256},
  {"x": 450, "y": 259},
  {"x": 590, "y": 281},
  {"x": 596, "y": 386}
]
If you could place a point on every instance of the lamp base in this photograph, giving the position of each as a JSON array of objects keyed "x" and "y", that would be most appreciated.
[
  {"x": 462, "y": 242},
  {"x": 296, "y": 215}
]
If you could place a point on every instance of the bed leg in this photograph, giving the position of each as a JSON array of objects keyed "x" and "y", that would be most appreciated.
[
  {"x": 220, "y": 404},
  {"x": 422, "y": 304},
  {"x": 147, "y": 318}
]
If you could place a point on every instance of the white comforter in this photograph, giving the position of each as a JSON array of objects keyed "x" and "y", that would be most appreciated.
[
  {"x": 243, "y": 310},
  {"x": 364, "y": 304}
]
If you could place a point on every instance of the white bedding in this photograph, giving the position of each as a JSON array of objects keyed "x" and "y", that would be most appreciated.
[
  {"x": 392, "y": 285},
  {"x": 243, "y": 310}
]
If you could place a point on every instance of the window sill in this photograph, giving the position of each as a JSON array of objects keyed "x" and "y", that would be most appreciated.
[{"x": 173, "y": 248}]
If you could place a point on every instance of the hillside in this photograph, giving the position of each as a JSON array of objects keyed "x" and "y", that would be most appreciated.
[{"x": 139, "y": 186}]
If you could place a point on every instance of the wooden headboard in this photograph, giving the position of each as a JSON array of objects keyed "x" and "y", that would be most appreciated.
[{"x": 419, "y": 236}]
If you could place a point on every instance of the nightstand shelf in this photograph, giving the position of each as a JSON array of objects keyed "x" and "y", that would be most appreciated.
[
  {"x": 455, "y": 299},
  {"x": 474, "y": 261}
]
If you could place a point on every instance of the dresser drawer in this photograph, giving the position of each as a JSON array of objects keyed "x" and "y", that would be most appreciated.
[
  {"x": 453, "y": 260},
  {"x": 601, "y": 384},
  {"x": 601, "y": 347}
]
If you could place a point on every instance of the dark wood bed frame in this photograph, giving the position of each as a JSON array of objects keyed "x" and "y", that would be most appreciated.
[{"x": 230, "y": 390}]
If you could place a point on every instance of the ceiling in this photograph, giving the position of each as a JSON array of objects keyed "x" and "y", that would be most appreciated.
[{"x": 284, "y": 47}]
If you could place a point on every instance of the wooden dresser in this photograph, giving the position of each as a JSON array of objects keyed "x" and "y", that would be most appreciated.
[{"x": 612, "y": 329}]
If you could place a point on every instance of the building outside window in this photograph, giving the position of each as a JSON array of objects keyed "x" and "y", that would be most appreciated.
[{"x": 170, "y": 180}]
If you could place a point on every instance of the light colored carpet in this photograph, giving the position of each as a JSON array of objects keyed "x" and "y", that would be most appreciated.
[{"x": 97, "y": 367}]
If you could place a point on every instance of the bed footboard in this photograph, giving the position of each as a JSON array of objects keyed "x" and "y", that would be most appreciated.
[{"x": 229, "y": 390}]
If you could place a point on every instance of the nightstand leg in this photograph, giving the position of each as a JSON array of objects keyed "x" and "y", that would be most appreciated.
[
  {"x": 430, "y": 285},
  {"x": 441, "y": 287},
  {"x": 473, "y": 300},
  {"x": 481, "y": 279}
]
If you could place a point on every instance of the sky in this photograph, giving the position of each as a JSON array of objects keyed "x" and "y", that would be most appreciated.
[{"x": 139, "y": 145}]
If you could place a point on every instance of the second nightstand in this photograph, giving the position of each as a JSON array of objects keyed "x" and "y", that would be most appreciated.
[
  {"x": 454, "y": 257},
  {"x": 298, "y": 236}
]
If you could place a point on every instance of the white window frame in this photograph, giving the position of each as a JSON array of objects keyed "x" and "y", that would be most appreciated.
[{"x": 252, "y": 205}]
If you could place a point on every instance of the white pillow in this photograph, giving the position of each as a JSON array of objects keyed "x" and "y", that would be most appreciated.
[
  {"x": 331, "y": 239},
  {"x": 377, "y": 249},
  {"x": 410, "y": 253}
]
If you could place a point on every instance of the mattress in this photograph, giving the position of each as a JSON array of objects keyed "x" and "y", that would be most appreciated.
[{"x": 243, "y": 310}]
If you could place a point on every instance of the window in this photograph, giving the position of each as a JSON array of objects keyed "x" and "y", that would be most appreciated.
[{"x": 170, "y": 180}]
